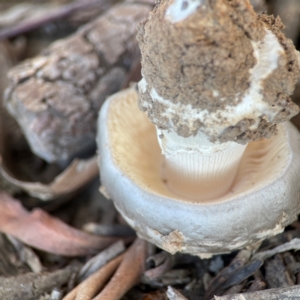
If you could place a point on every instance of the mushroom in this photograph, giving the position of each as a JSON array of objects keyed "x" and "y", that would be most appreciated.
[{"x": 213, "y": 166}]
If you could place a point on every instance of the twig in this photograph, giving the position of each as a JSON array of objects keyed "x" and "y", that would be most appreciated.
[
  {"x": 89, "y": 287},
  {"x": 101, "y": 259},
  {"x": 292, "y": 245},
  {"x": 128, "y": 274},
  {"x": 161, "y": 269}
]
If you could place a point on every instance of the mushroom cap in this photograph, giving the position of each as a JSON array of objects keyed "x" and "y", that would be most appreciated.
[
  {"x": 262, "y": 201},
  {"x": 218, "y": 68}
]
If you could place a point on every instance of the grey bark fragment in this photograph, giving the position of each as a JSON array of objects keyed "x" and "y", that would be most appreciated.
[{"x": 55, "y": 97}]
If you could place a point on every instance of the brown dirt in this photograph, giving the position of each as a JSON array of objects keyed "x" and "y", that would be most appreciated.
[{"x": 211, "y": 50}]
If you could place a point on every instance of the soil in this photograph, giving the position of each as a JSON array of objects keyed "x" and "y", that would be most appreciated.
[{"x": 210, "y": 52}]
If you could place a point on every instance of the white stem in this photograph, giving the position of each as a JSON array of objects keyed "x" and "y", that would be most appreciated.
[{"x": 197, "y": 169}]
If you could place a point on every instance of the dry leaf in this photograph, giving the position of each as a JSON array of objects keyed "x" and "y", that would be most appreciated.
[
  {"x": 42, "y": 231},
  {"x": 74, "y": 177}
]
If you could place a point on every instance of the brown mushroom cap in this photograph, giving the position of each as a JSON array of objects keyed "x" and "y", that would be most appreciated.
[
  {"x": 222, "y": 70},
  {"x": 262, "y": 201}
]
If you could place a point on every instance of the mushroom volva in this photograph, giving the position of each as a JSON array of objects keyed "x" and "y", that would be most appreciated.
[{"x": 199, "y": 157}]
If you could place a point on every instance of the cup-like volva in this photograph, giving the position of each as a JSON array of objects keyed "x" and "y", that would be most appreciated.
[{"x": 262, "y": 200}]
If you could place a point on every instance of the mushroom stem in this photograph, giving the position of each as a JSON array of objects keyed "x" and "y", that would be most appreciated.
[{"x": 196, "y": 168}]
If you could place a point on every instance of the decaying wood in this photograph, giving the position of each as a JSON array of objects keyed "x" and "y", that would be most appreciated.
[
  {"x": 56, "y": 96},
  {"x": 291, "y": 293}
]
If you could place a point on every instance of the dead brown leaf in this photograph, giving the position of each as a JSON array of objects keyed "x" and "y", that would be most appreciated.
[
  {"x": 79, "y": 173},
  {"x": 42, "y": 231}
]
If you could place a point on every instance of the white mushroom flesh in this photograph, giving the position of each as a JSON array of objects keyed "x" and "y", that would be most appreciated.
[
  {"x": 193, "y": 173},
  {"x": 263, "y": 199},
  {"x": 194, "y": 166}
]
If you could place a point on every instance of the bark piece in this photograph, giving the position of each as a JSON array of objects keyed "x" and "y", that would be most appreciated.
[{"x": 56, "y": 96}]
